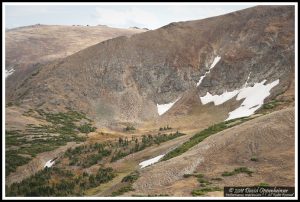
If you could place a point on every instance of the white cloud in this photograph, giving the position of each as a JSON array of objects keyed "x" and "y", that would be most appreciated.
[
  {"x": 198, "y": 12},
  {"x": 126, "y": 18}
]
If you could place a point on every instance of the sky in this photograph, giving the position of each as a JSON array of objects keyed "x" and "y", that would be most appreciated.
[{"x": 122, "y": 16}]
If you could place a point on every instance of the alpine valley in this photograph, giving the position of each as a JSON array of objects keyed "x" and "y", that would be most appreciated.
[{"x": 182, "y": 110}]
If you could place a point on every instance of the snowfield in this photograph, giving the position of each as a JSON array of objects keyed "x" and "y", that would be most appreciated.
[
  {"x": 163, "y": 108},
  {"x": 151, "y": 161},
  {"x": 218, "y": 99},
  {"x": 216, "y": 60},
  {"x": 253, "y": 98},
  {"x": 9, "y": 72},
  {"x": 49, "y": 164}
]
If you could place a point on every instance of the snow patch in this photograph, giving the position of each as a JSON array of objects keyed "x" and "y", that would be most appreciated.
[
  {"x": 216, "y": 60},
  {"x": 49, "y": 164},
  {"x": 9, "y": 72},
  {"x": 218, "y": 99},
  {"x": 201, "y": 78},
  {"x": 163, "y": 108},
  {"x": 254, "y": 99},
  {"x": 247, "y": 80},
  {"x": 151, "y": 161}
]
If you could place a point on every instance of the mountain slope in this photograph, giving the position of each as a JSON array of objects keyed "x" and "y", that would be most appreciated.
[
  {"x": 43, "y": 43},
  {"x": 135, "y": 94},
  {"x": 124, "y": 79},
  {"x": 27, "y": 48},
  {"x": 265, "y": 145}
]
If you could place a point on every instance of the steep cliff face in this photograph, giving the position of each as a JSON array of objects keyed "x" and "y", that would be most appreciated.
[{"x": 130, "y": 78}]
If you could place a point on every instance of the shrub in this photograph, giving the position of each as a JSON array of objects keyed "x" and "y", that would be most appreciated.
[
  {"x": 203, "y": 191},
  {"x": 12, "y": 161},
  {"x": 243, "y": 170},
  {"x": 201, "y": 180},
  {"x": 132, "y": 177},
  {"x": 199, "y": 175},
  {"x": 122, "y": 190},
  {"x": 217, "y": 179},
  {"x": 104, "y": 175},
  {"x": 129, "y": 128},
  {"x": 254, "y": 159},
  {"x": 35, "y": 73},
  {"x": 9, "y": 104},
  {"x": 165, "y": 128},
  {"x": 237, "y": 171},
  {"x": 225, "y": 174},
  {"x": 187, "y": 175},
  {"x": 86, "y": 128},
  {"x": 263, "y": 184}
]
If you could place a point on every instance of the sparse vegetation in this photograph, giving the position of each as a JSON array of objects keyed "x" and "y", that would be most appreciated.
[
  {"x": 272, "y": 105},
  {"x": 35, "y": 139},
  {"x": 198, "y": 175},
  {"x": 217, "y": 179},
  {"x": 59, "y": 182},
  {"x": 187, "y": 175},
  {"x": 157, "y": 195},
  {"x": 128, "y": 147},
  {"x": 205, "y": 184},
  {"x": 165, "y": 128},
  {"x": 127, "y": 181},
  {"x": 122, "y": 191},
  {"x": 86, "y": 128},
  {"x": 35, "y": 73},
  {"x": 199, "y": 137},
  {"x": 9, "y": 104},
  {"x": 203, "y": 181},
  {"x": 254, "y": 159},
  {"x": 13, "y": 160},
  {"x": 149, "y": 195},
  {"x": 132, "y": 177},
  {"x": 263, "y": 184},
  {"x": 237, "y": 171},
  {"x": 87, "y": 155},
  {"x": 129, "y": 128},
  {"x": 203, "y": 191}
]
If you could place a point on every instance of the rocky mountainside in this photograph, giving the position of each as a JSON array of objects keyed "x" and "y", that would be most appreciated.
[
  {"x": 29, "y": 47},
  {"x": 183, "y": 110},
  {"x": 140, "y": 77}
]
